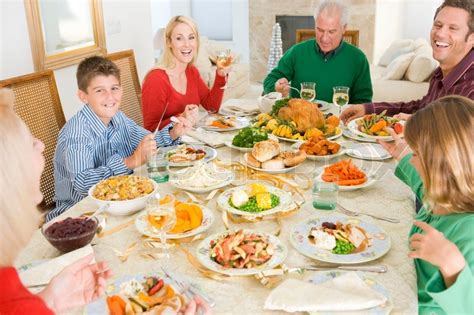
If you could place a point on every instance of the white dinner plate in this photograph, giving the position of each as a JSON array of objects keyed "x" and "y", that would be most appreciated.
[
  {"x": 142, "y": 225},
  {"x": 368, "y": 151},
  {"x": 210, "y": 155},
  {"x": 370, "y": 181},
  {"x": 203, "y": 254},
  {"x": 286, "y": 201},
  {"x": 230, "y": 145},
  {"x": 380, "y": 241},
  {"x": 349, "y": 134},
  {"x": 354, "y": 128},
  {"x": 280, "y": 171},
  {"x": 324, "y": 105},
  {"x": 241, "y": 122},
  {"x": 226, "y": 180},
  {"x": 328, "y": 157}
]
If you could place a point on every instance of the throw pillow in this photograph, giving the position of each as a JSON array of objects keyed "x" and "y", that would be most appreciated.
[
  {"x": 397, "y": 68},
  {"x": 421, "y": 68},
  {"x": 397, "y": 48}
]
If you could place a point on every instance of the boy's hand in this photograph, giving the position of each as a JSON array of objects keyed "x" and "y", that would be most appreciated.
[
  {"x": 180, "y": 128},
  {"x": 433, "y": 247},
  {"x": 145, "y": 149},
  {"x": 191, "y": 113}
]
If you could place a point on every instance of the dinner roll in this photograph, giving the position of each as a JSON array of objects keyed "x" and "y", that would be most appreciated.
[
  {"x": 273, "y": 164},
  {"x": 265, "y": 150},
  {"x": 250, "y": 160},
  {"x": 293, "y": 158}
]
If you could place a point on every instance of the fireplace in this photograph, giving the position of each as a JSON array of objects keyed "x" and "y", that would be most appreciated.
[{"x": 289, "y": 24}]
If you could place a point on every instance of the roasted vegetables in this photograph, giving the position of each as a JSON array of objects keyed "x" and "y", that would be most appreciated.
[
  {"x": 247, "y": 137},
  {"x": 375, "y": 125}
]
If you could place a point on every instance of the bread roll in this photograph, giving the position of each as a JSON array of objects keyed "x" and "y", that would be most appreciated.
[
  {"x": 293, "y": 158},
  {"x": 265, "y": 150},
  {"x": 250, "y": 160},
  {"x": 273, "y": 164}
]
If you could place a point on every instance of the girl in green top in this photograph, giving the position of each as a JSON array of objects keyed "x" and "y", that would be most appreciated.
[{"x": 441, "y": 137}]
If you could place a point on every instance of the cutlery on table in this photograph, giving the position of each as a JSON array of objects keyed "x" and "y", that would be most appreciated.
[
  {"x": 355, "y": 214},
  {"x": 281, "y": 271}
]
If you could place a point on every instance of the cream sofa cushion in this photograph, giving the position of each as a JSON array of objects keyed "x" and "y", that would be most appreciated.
[
  {"x": 397, "y": 68},
  {"x": 423, "y": 65},
  {"x": 397, "y": 48}
]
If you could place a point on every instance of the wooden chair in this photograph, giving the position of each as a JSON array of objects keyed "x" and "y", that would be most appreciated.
[
  {"x": 350, "y": 36},
  {"x": 132, "y": 97},
  {"x": 37, "y": 103}
]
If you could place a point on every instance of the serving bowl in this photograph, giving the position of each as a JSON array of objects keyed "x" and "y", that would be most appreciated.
[
  {"x": 124, "y": 207},
  {"x": 266, "y": 102},
  {"x": 71, "y": 233}
]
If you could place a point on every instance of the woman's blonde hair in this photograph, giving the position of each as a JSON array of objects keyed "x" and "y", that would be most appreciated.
[
  {"x": 19, "y": 216},
  {"x": 167, "y": 60},
  {"x": 442, "y": 136}
]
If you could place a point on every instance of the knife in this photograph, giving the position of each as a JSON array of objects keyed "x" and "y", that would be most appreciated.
[{"x": 302, "y": 269}]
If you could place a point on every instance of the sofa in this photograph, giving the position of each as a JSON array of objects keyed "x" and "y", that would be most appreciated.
[
  {"x": 403, "y": 71},
  {"x": 239, "y": 77}
]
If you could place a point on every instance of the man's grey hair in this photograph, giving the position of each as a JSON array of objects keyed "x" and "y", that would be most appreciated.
[{"x": 333, "y": 7}]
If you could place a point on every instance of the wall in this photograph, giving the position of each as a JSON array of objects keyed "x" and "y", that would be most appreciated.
[
  {"x": 262, "y": 18},
  {"x": 127, "y": 25}
]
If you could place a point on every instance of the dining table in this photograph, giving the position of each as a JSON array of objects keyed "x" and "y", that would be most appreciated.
[{"x": 123, "y": 248}]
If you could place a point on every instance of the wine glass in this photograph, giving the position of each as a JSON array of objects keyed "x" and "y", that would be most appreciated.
[
  {"x": 340, "y": 96},
  {"x": 224, "y": 60},
  {"x": 162, "y": 218},
  {"x": 308, "y": 91}
]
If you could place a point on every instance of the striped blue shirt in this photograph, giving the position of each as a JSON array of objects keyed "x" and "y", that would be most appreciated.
[{"x": 89, "y": 151}]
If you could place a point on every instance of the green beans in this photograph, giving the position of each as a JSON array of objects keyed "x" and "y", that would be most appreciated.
[{"x": 343, "y": 248}]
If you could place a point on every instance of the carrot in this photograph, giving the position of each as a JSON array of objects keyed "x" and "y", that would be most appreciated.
[
  {"x": 114, "y": 304},
  {"x": 378, "y": 126},
  {"x": 345, "y": 173},
  {"x": 352, "y": 182},
  {"x": 218, "y": 124}
]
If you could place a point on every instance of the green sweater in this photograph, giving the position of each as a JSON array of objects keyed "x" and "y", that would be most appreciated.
[
  {"x": 433, "y": 296},
  {"x": 304, "y": 63}
]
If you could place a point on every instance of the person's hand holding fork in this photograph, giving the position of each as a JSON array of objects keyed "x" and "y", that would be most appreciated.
[
  {"x": 181, "y": 126},
  {"x": 191, "y": 113}
]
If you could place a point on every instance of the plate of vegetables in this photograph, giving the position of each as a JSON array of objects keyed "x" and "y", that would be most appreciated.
[
  {"x": 246, "y": 139},
  {"x": 254, "y": 199},
  {"x": 340, "y": 240},
  {"x": 374, "y": 126}
]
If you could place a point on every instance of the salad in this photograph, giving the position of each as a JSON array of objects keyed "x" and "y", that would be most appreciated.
[
  {"x": 339, "y": 238},
  {"x": 248, "y": 136},
  {"x": 376, "y": 124},
  {"x": 253, "y": 198}
]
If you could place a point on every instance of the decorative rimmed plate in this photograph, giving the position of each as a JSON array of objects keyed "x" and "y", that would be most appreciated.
[
  {"x": 324, "y": 105},
  {"x": 370, "y": 181},
  {"x": 328, "y": 157},
  {"x": 383, "y": 309},
  {"x": 141, "y": 223},
  {"x": 241, "y": 122},
  {"x": 368, "y": 151},
  {"x": 285, "y": 202},
  {"x": 299, "y": 239},
  {"x": 201, "y": 190},
  {"x": 337, "y": 135},
  {"x": 354, "y": 128},
  {"x": 204, "y": 249},
  {"x": 210, "y": 155},
  {"x": 349, "y": 134},
  {"x": 280, "y": 171},
  {"x": 230, "y": 145}
]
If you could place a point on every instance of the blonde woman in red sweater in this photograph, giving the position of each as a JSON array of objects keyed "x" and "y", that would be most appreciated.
[{"x": 174, "y": 87}]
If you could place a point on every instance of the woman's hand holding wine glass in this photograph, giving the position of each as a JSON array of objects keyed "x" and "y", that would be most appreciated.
[{"x": 224, "y": 61}]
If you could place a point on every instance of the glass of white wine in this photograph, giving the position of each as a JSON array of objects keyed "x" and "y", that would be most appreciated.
[
  {"x": 224, "y": 60},
  {"x": 340, "y": 96},
  {"x": 162, "y": 218},
  {"x": 308, "y": 91}
]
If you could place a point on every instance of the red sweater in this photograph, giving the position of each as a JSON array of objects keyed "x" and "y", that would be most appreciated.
[
  {"x": 15, "y": 299},
  {"x": 157, "y": 91}
]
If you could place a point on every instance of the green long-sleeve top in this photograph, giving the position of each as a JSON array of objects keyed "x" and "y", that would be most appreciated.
[
  {"x": 346, "y": 66},
  {"x": 433, "y": 296}
]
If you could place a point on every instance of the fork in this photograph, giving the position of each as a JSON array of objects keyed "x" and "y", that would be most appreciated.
[{"x": 355, "y": 214}]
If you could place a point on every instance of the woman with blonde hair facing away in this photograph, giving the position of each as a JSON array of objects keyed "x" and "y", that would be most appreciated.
[
  {"x": 175, "y": 87},
  {"x": 441, "y": 172},
  {"x": 21, "y": 157}
]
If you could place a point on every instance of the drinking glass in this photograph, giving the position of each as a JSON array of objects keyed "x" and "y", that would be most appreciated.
[
  {"x": 308, "y": 91},
  {"x": 157, "y": 167},
  {"x": 340, "y": 96},
  {"x": 163, "y": 217},
  {"x": 224, "y": 60},
  {"x": 325, "y": 194}
]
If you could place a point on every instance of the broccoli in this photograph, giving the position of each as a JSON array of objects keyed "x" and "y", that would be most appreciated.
[
  {"x": 279, "y": 104},
  {"x": 247, "y": 137}
]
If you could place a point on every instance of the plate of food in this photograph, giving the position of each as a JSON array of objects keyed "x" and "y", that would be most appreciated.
[
  {"x": 381, "y": 309},
  {"x": 247, "y": 138},
  {"x": 266, "y": 156},
  {"x": 241, "y": 253},
  {"x": 374, "y": 126},
  {"x": 322, "y": 105},
  {"x": 136, "y": 294},
  {"x": 191, "y": 219},
  {"x": 346, "y": 174},
  {"x": 201, "y": 178},
  {"x": 368, "y": 151},
  {"x": 186, "y": 155},
  {"x": 319, "y": 149},
  {"x": 298, "y": 137},
  {"x": 339, "y": 240},
  {"x": 351, "y": 135},
  {"x": 225, "y": 123},
  {"x": 254, "y": 199}
]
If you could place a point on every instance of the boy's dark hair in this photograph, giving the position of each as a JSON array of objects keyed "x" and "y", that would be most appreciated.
[
  {"x": 94, "y": 66},
  {"x": 466, "y": 5}
]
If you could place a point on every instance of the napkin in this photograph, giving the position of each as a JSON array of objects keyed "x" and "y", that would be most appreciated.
[
  {"x": 43, "y": 273},
  {"x": 236, "y": 106},
  {"x": 374, "y": 151},
  {"x": 347, "y": 292},
  {"x": 213, "y": 139}
]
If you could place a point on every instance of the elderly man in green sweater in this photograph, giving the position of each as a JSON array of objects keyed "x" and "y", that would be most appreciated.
[{"x": 327, "y": 60}]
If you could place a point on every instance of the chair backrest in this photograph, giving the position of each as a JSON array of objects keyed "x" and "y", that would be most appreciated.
[
  {"x": 350, "y": 36},
  {"x": 37, "y": 103},
  {"x": 132, "y": 97}
]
